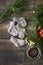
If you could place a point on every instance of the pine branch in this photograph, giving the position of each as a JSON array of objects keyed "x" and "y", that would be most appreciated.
[
  {"x": 38, "y": 17},
  {"x": 16, "y": 9},
  {"x": 5, "y": 12}
]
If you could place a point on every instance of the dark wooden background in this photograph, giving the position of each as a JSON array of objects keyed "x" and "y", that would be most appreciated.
[{"x": 9, "y": 54}]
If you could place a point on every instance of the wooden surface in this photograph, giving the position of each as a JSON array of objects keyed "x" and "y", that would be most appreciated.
[{"x": 9, "y": 54}]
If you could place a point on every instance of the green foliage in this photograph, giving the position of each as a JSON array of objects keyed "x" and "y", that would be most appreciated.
[
  {"x": 41, "y": 42},
  {"x": 33, "y": 17},
  {"x": 32, "y": 34},
  {"x": 39, "y": 11},
  {"x": 20, "y": 3},
  {"x": 39, "y": 14},
  {"x": 5, "y": 12},
  {"x": 36, "y": 17},
  {"x": 17, "y": 8}
]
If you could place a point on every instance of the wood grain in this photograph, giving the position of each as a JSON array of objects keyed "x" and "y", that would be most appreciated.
[{"x": 9, "y": 54}]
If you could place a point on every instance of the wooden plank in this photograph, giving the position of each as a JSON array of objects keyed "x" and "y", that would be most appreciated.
[
  {"x": 9, "y": 54},
  {"x": 5, "y": 44}
]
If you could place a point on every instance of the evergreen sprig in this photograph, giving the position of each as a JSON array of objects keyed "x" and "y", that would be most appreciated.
[
  {"x": 39, "y": 14},
  {"x": 17, "y": 8},
  {"x": 5, "y": 12},
  {"x": 37, "y": 17},
  {"x": 39, "y": 11}
]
